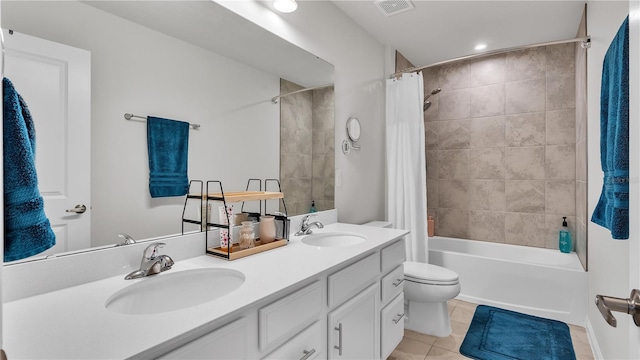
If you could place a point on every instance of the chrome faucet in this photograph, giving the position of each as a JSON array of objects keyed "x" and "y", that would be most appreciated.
[
  {"x": 151, "y": 263},
  {"x": 128, "y": 240},
  {"x": 305, "y": 227}
]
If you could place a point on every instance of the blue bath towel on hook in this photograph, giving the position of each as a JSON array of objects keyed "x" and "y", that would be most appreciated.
[
  {"x": 612, "y": 210},
  {"x": 168, "y": 145},
  {"x": 27, "y": 230}
]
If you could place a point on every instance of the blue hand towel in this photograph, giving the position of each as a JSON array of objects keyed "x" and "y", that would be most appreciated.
[
  {"x": 612, "y": 210},
  {"x": 27, "y": 230},
  {"x": 168, "y": 145}
]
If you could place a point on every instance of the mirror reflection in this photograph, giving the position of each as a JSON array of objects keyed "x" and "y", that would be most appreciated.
[{"x": 166, "y": 59}]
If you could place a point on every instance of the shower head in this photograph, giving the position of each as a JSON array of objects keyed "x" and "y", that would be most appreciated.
[
  {"x": 427, "y": 104},
  {"x": 435, "y": 91}
]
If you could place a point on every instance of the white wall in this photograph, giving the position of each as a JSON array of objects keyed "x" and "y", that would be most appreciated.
[
  {"x": 134, "y": 71},
  {"x": 322, "y": 29},
  {"x": 608, "y": 258}
]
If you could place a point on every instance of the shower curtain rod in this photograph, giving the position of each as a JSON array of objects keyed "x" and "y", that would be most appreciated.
[
  {"x": 276, "y": 99},
  {"x": 585, "y": 43},
  {"x": 132, "y": 117}
]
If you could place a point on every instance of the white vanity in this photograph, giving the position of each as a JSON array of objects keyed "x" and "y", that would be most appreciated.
[{"x": 296, "y": 302}]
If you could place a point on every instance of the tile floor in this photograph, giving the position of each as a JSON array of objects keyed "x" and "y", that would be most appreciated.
[{"x": 416, "y": 346}]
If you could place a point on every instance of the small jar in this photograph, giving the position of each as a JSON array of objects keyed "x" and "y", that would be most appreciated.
[
  {"x": 267, "y": 229},
  {"x": 247, "y": 236}
]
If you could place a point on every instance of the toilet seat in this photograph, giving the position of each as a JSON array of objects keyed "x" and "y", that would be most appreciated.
[{"x": 429, "y": 274}]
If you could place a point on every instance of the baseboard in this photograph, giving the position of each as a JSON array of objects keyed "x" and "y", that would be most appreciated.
[{"x": 593, "y": 342}]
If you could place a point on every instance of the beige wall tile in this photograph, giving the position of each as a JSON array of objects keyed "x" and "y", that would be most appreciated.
[
  {"x": 525, "y": 96},
  {"x": 524, "y": 163},
  {"x": 561, "y": 59},
  {"x": 560, "y": 197},
  {"x": 525, "y": 229},
  {"x": 431, "y": 135},
  {"x": 486, "y": 163},
  {"x": 432, "y": 193},
  {"x": 525, "y": 129},
  {"x": 581, "y": 202},
  {"x": 560, "y": 162},
  {"x": 453, "y": 164},
  {"x": 553, "y": 223},
  {"x": 453, "y": 194},
  {"x": 487, "y": 195},
  {"x": 581, "y": 244},
  {"x": 432, "y": 164},
  {"x": 431, "y": 78},
  {"x": 561, "y": 127},
  {"x": 452, "y": 223},
  {"x": 485, "y": 226},
  {"x": 526, "y": 64},
  {"x": 525, "y": 196},
  {"x": 581, "y": 161},
  {"x": 453, "y": 104},
  {"x": 488, "y": 70},
  {"x": 561, "y": 92},
  {"x": 453, "y": 134},
  {"x": 431, "y": 114},
  {"x": 454, "y": 76},
  {"x": 487, "y": 132},
  {"x": 488, "y": 100},
  {"x": 318, "y": 143}
]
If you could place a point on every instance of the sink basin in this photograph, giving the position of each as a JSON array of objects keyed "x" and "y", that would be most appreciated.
[
  {"x": 174, "y": 291},
  {"x": 333, "y": 239}
]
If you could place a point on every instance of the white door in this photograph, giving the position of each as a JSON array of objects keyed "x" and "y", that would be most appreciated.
[
  {"x": 55, "y": 82},
  {"x": 634, "y": 167}
]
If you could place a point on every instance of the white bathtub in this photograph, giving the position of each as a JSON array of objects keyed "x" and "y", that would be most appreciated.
[{"x": 540, "y": 282}]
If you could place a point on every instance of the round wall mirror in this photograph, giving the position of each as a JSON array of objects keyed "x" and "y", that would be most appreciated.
[{"x": 353, "y": 129}]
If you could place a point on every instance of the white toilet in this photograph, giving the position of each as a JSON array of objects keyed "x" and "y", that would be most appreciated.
[{"x": 427, "y": 288}]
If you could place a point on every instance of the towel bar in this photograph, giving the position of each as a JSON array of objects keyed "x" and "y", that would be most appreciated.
[{"x": 132, "y": 117}]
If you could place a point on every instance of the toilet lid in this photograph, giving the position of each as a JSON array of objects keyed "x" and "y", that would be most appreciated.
[{"x": 429, "y": 274}]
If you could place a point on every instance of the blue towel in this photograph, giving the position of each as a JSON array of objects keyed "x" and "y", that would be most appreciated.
[
  {"x": 168, "y": 144},
  {"x": 27, "y": 230},
  {"x": 612, "y": 210}
]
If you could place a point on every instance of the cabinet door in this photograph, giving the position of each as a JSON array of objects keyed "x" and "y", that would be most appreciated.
[
  {"x": 353, "y": 327},
  {"x": 392, "y": 325},
  {"x": 227, "y": 342}
]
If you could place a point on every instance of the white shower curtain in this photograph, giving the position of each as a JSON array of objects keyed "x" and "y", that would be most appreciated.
[{"x": 406, "y": 164}]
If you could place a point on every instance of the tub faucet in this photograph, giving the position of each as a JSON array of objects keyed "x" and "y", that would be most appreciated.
[
  {"x": 151, "y": 263},
  {"x": 305, "y": 227},
  {"x": 128, "y": 240}
]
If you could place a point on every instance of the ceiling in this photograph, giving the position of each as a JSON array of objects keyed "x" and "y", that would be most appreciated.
[{"x": 440, "y": 30}]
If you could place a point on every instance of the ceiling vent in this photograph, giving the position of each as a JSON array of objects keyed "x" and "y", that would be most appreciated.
[{"x": 393, "y": 7}]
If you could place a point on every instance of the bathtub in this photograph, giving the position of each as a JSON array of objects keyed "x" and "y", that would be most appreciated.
[{"x": 535, "y": 281}]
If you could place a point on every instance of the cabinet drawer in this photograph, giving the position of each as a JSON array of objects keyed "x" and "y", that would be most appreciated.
[
  {"x": 306, "y": 345},
  {"x": 353, "y": 279},
  {"x": 392, "y": 284},
  {"x": 391, "y": 325},
  {"x": 393, "y": 255},
  {"x": 284, "y": 318}
]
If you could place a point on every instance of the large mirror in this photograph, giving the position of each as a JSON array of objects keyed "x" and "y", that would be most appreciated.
[{"x": 193, "y": 61}]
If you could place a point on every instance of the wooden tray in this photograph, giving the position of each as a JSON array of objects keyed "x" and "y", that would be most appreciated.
[{"x": 237, "y": 253}]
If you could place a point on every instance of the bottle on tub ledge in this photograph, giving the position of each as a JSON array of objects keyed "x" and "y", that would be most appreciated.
[
  {"x": 565, "y": 244},
  {"x": 431, "y": 226},
  {"x": 313, "y": 207}
]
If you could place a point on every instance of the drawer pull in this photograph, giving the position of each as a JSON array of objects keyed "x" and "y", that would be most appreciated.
[
  {"x": 339, "y": 346},
  {"x": 400, "y": 316},
  {"x": 307, "y": 354},
  {"x": 398, "y": 282}
]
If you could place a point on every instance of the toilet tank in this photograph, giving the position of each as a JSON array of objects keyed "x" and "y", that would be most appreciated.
[{"x": 384, "y": 224}]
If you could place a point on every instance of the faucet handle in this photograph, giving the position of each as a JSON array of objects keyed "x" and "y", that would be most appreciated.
[
  {"x": 305, "y": 219},
  {"x": 154, "y": 248}
]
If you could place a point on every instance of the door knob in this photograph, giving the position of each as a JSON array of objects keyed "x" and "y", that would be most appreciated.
[
  {"x": 79, "y": 209},
  {"x": 631, "y": 306}
]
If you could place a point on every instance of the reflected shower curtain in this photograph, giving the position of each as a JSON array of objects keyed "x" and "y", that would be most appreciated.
[{"x": 406, "y": 164}]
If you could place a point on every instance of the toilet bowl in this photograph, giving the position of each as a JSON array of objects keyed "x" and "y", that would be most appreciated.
[{"x": 427, "y": 288}]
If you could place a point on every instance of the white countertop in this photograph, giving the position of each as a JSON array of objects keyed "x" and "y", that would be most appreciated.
[{"x": 73, "y": 323}]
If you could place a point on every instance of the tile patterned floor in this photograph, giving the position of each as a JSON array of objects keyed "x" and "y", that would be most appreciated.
[{"x": 416, "y": 346}]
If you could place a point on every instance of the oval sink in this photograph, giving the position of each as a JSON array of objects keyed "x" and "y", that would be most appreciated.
[
  {"x": 333, "y": 239},
  {"x": 174, "y": 291}
]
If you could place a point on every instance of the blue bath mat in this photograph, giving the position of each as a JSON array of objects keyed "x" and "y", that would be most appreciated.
[{"x": 498, "y": 334}]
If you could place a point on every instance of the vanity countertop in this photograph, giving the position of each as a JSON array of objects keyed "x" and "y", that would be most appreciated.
[{"x": 73, "y": 323}]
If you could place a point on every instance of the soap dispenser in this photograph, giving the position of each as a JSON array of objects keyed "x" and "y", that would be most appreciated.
[
  {"x": 313, "y": 207},
  {"x": 564, "y": 237}
]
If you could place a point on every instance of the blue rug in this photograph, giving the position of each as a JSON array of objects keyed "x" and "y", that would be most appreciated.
[{"x": 498, "y": 334}]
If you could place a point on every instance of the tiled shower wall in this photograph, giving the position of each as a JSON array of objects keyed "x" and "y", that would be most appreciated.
[
  {"x": 501, "y": 146},
  {"x": 306, "y": 148}
]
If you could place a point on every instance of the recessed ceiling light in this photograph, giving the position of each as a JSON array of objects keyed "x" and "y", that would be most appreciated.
[
  {"x": 285, "y": 6},
  {"x": 481, "y": 46}
]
